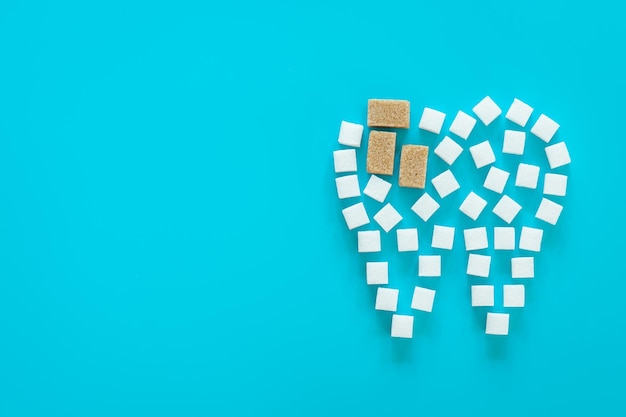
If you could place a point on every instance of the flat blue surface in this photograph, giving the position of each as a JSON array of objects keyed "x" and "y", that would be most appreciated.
[{"x": 172, "y": 244}]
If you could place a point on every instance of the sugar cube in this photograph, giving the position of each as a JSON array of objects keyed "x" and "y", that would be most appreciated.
[
  {"x": 530, "y": 239},
  {"x": 506, "y": 209},
  {"x": 482, "y": 154},
  {"x": 496, "y": 180},
  {"x": 475, "y": 238},
  {"x": 448, "y": 150},
  {"x": 407, "y": 240},
  {"x": 345, "y": 160},
  {"x": 527, "y": 176},
  {"x": 348, "y": 186},
  {"x": 355, "y": 216},
  {"x": 549, "y": 211},
  {"x": 478, "y": 265},
  {"x": 377, "y": 188},
  {"x": 558, "y": 155},
  {"x": 425, "y": 207},
  {"x": 487, "y": 110},
  {"x": 544, "y": 128},
  {"x": 519, "y": 112},
  {"x": 402, "y": 326},
  {"x": 445, "y": 183},
  {"x": 523, "y": 267},
  {"x": 423, "y": 299},
  {"x": 429, "y": 266},
  {"x": 388, "y": 113},
  {"x": 514, "y": 142},
  {"x": 387, "y": 299},
  {"x": 350, "y": 134},
  {"x": 473, "y": 205},
  {"x": 387, "y": 217},
  {"x": 497, "y": 324},
  {"x": 413, "y": 163},
  {"x": 368, "y": 241},
  {"x": 432, "y": 120},
  {"x": 555, "y": 184},
  {"x": 377, "y": 273},
  {"x": 504, "y": 238},
  {"x": 514, "y": 295},
  {"x": 462, "y": 125},
  {"x": 443, "y": 237},
  {"x": 482, "y": 296},
  {"x": 381, "y": 150}
]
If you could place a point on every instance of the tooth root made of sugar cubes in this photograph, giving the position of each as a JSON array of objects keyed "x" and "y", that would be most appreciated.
[
  {"x": 425, "y": 207},
  {"x": 549, "y": 211},
  {"x": 497, "y": 324},
  {"x": 478, "y": 265},
  {"x": 487, "y": 111},
  {"x": 368, "y": 241},
  {"x": 413, "y": 163},
  {"x": 377, "y": 273},
  {"x": 387, "y": 217},
  {"x": 527, "y": 176},
  {"x": 448, "y": 150},
  {"x": 402, "y": 326},
  {"x": 558, "y": 155},
  {"x": 514, "y": 295},
  {"x": 519, "y": 112},
  {"x": 473, "y": 205},
  {"x": 348, "y": 186},
  {"x": 462, "y": 125},
  {"x": 407, "y": 240},
  {"x": 355, "y": 216},
  {"x": 432, "y": 120},
  {"x": 377, "y": 188},
  {"x": 345, "y": 160},
  {"x": 388, "y": 113},
  {"x": 443, "y": 237},
  {"x": 496, "y": 180},
  {"x": 482, "y": 295},
  {"x": 429, "y": 266},
  {"x": 504, "y": 238},
  {"x": 381, "y": 148},
  {"x": 445, "y": 183},
  {"x": 350, "y": 134},
  {"x": 544, "y": 128},
  {"x": 530, "y": 239},
  {"x": 506, "y": 209},
  {"x": 523, "y": 267},
  {"x": 555, "y": 184},
  {"x": 514, "y": 142},
  {"x": 482, "y": 154},
  {"x": 475, "y": 238},
  {"x": 423, "y": 299},
  {"x": 387, "y": 299}
]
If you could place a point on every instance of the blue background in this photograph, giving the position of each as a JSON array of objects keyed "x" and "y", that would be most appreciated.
[{"x": 172, "y": 244}]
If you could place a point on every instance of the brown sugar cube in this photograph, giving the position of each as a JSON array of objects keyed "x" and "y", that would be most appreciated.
[
  {"x": 413, "y": 160},
  {"x": 381, "y": 149},
  {"x": 388, "y": 113}
]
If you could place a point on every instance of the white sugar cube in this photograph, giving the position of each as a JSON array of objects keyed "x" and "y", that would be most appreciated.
[
  {"x": 514, "y": 295},
  {"x": 462, "y": 125},
  {"x": 443, "y": 237},
  {"x": 514, "y": 142},
  {"x": 407, "y": 240},
  {"x": 432, "y": 120},
  {"x": 377, "y": 188},
  {"x": 345, "y": 160},
  {"x": 448, "y": 150},
  {"x": 377, "y": 273},
  {"x": 555, "y": 184},
  {"x": 368, "y": 241},
  {"x": 348, "y": 186},
  {"x": 478, "y": 265},
  {"x": 429, "y": 266},
  {"x": 387, "y": 299},
  {"x": 425, "y": 207},
  {"x": 523, "y": 267},
  {"x": 527, "y": 176},
  {"x": 402, "y": 326},
  {"x": 482, "y": 154},
  {"x": 387, "y": 217},
  {"x": 506, "y": 209},
  {"x": 544, "y": 128},
  {"x": 504, "y": 238},
  {"x": 350, "y": 134},
  {"x": 482, "y": 296},
  {"x": 496, "y": 180},
  {"x": 558, "y": 155},
  {"x": 423, "y": 299},
  {"x": 355, "y": 216},
  {"x": 445, "y": 183},
  {"x": 473, "y": 205},
  {"x": 519, "y": 112},
  {"x": 476, "y": 238},
  {"x": 487, "y": 110},
  {"x": 530, "y": 239},
  {"x": 497, "y": 324},
  {"x": 549, "y": 211}
]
